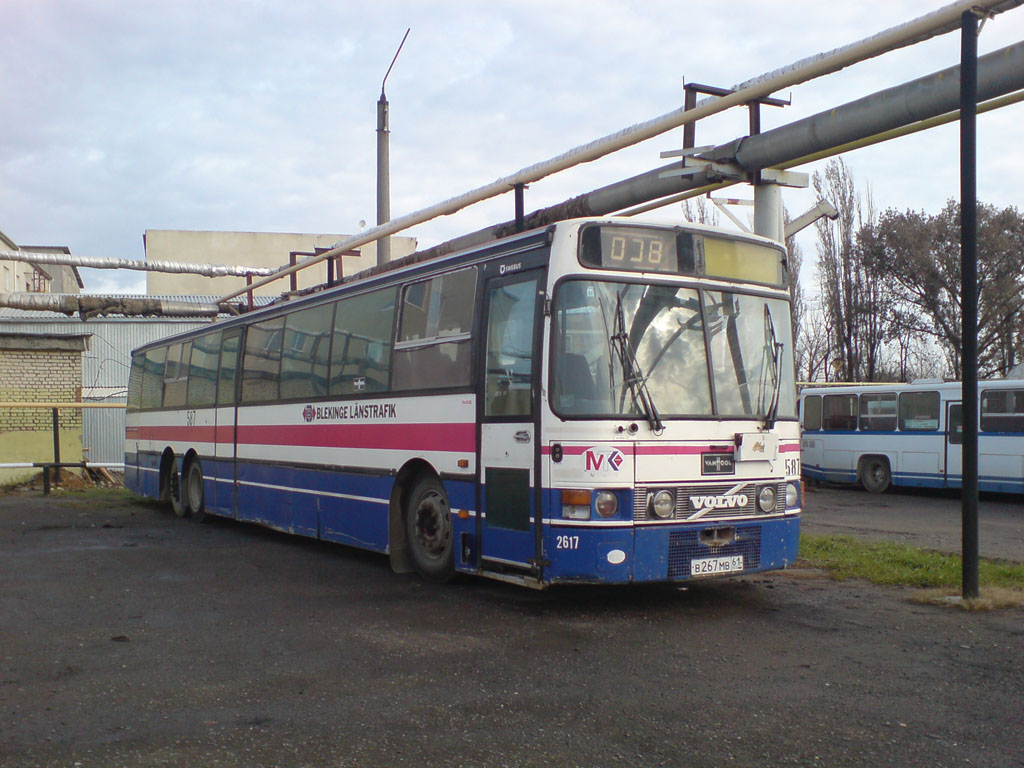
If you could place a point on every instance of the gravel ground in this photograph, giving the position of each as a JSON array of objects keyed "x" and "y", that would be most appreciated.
[{"x": 131, "y": 638}]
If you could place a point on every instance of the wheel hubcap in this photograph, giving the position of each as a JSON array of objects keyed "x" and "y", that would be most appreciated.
[
  {"x": 195, "y": 490},
  {"x": 433, "y": 524}
]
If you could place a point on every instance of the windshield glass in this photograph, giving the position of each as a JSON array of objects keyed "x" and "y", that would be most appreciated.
[
  {"x": 662, "y": 326},
  {"x": 751, "y": 357},
  {"x": 751, "y": 354}
]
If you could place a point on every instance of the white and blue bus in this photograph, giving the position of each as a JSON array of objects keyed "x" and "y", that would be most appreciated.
[
  {"x": 911, "y": 435},
  {"x": 597, "y": 401}
]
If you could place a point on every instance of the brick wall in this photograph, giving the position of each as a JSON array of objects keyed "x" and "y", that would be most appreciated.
[{"x": 37, "y": 376}]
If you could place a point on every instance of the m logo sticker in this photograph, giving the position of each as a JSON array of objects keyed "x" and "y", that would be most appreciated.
[{"x": 602, "y": 459}]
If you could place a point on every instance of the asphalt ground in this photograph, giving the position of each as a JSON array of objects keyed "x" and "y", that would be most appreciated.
[{"x": 129, "y": 637}]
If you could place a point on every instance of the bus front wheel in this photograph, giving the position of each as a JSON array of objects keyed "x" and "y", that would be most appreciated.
[
  {"x": 875, "y": 475},
  {"x": 428, "y": 525}
]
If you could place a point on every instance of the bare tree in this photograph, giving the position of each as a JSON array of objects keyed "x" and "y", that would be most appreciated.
[
  {"x": 798, "y": 308},
  {"x": 698, "y": 211},
  {"x": 855, "y": 306},
  {"x": 813, "y": 351}
]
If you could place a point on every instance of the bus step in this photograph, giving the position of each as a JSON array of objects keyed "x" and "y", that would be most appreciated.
[
  {"x": 514, "y": 573},
  {"x": 521, "y": 580}
]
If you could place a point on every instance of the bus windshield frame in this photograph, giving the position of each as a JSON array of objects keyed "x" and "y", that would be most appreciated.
[{"x": 700, "y": 351}]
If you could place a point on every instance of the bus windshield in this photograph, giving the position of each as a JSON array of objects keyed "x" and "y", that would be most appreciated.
[{"x": 612, "y": 337}]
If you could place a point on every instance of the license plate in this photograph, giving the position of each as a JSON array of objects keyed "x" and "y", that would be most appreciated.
[{"x": 711, "y": 566}]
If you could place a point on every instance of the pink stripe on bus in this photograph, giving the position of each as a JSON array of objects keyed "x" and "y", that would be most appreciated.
[
  {"x": 411, "y": 437},
  {"x": 408, "y": 437}
]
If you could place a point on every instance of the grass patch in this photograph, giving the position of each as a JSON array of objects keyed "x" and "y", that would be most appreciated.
[{"x": 885, "y": 562}]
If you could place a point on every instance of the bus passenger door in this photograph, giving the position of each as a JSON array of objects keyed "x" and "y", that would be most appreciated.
[
  {"x": 954, "y": 444},
  {"x": 509, "y": 525},
  {"x": 225, "y": 430}
]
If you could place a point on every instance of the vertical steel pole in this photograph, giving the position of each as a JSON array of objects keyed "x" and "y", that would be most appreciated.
[
  {"x": 383, "y": 177},
  {"x": 56, "y": 446},
  {"x": 520, "y": 207},
  {"x": 969, "y": 295},
  {"x": 690, "y": 129}
]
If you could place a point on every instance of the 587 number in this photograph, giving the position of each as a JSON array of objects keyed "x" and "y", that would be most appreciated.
[{"x": 792, "y": 467}]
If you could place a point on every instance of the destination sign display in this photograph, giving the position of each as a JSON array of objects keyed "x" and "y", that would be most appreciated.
[{"x": 677, "y": 252}]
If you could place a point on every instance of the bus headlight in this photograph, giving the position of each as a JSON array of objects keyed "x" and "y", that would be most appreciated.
[
  {"x": 766, "y": 498},
  {"x": 792, "y": 495},
  {"x": 606, "y": 503},
  {"x": 663, "y": 504}
]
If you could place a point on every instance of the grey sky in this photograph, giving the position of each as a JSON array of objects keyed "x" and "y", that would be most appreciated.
[{"x": 125, "y": 116}]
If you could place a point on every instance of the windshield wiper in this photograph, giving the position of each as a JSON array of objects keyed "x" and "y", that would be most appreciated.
[
  {"x": 772, "y": 355},
  {"x": 632, "y": 373}
]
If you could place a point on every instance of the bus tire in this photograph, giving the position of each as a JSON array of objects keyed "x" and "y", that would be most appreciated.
[
  {"x": 193, "y": 492},
  {"x": 177, "y": 494},
  {"x": 428, "y": 526},
  {"x": 875, "y": 475}
]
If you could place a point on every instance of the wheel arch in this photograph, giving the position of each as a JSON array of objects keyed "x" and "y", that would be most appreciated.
[
  {"x": 864, "y": 458},
  {"x": 190, "y": 456},
  {"x": 167, "y": 460},
  {"x": 398, "y": 542}
]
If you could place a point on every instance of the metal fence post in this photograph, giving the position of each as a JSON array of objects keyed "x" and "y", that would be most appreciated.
[{"x": 56, "y": 446}]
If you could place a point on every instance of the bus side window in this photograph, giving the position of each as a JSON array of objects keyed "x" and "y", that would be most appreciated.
[
  {"x": 361, "y": 346},
  {"x": 1002, "y": 411},
  {"x": 153, "y": 378},
  {"x": 878, "y": 412},
  {"x": 135, "y": 381},
  {"x": 176, "y": 374},
  {"x": 955, "y": 427},
  {"x": 226, "y": 373},
  {"x": 919, "y": 411},
  {"x": 840, "y": 413},
  {"x": 202, "y": 371},
  {"x": 306, "y": 352},
  {"x": 261, "y": 363},
  {"x": 812, "y": 413},
  {"x": 434, "y": 347}
]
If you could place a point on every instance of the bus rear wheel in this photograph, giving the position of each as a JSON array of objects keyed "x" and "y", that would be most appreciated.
[
  {"x": 178, "y": 503},
  {"x": 428, "y": 526},
  {"x": 195, "y": 500},
  {"x": 875, "y": 475}
]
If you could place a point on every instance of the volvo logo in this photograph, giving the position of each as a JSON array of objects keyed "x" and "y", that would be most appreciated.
[
  {"x": 731, "y": 499},
  {"x": 719, "y": 502}
]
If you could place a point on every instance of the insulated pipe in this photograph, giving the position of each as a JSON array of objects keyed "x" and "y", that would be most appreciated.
[
  {"x": 937, "y": 22},
  {"x": 878, "y": 138},
  {"x": 94, "y": 262},
  {"x": 1000, "y": 69},
  {"x": 999, "y": 72},
  {"x": 89, "y": 306}
]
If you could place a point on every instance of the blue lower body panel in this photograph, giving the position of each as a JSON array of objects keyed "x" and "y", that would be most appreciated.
[{"x": 663, "y": 553}]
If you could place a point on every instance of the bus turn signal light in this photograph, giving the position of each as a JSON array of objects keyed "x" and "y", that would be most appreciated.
[{"x": 576, "y": 505}]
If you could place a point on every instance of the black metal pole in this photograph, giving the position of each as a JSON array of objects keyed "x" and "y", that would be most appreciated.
[
  {"x": 520, "y": 207},
  {"x": 969, "y": 295},
  {"x": 56, "y": 447}
]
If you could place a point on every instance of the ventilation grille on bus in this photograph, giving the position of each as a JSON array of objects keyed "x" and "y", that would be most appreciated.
[
  {"x": 684, "y": 546},
  {"x": 686, "y": 510}
]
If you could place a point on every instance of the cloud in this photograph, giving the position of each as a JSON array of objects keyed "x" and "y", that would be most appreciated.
[{"x": 261, "y": 115}]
